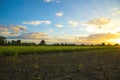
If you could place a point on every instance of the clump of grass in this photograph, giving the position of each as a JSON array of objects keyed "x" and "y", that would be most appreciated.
[{"x": 80, "y": 66}]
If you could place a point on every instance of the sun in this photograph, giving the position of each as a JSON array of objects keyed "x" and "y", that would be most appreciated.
[{"x": 115, "y": 40}]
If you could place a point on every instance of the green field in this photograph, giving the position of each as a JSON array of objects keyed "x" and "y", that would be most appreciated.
[
  {"x": 60, "y": 63},
  {"x": 18, "y": 50}
]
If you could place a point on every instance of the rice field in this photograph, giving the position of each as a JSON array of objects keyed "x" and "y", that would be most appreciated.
[{"x": 18, "y": 50}]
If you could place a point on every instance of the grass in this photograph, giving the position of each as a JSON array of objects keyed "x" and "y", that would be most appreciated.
[{"x": 20, "y": 50}]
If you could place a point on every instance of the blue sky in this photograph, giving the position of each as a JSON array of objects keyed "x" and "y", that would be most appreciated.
[{"x": 71, "y": 21}]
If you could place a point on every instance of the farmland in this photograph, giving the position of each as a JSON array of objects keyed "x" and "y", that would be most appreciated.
[
  {"x": 59, "y": 62},
  {"x": 19, "y": 50}
]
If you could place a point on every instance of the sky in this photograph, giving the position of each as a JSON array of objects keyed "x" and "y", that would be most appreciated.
[{"x": 61, "y": 21}]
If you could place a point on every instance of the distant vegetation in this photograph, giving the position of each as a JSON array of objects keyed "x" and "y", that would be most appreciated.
[{"x": 4, "y": 42}]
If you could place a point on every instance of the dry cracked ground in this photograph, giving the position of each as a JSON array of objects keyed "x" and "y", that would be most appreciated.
[{"x": 84, "y": 65}]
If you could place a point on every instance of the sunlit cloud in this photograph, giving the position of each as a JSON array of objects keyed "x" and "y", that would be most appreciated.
[
  {"x": 3, "y": 28},
  {"x": 17, "y": 28},
  {"x": 116, "y": 11},
  {"x": 12, "y": 30},
  {"x": 59, "y": 14},
  {"x": 73, "y": 23},
  {"x": 99, "y": 38},
  {"x": 59, "y": 25},
  {"x": 31, "y": 36},
  {"x": 36, "y": 23},
  {"x": 6, "y": 33},
  {"x": 99, "y": 21},
  {"x": 102, "y": 37},
  {"x": 90, "y": 39},
  {"x": 112, "y": 26}
]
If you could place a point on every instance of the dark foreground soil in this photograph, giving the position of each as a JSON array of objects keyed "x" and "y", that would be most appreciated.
[{"x": 85, "y": 65}]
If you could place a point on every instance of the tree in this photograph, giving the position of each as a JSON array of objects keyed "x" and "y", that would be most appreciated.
[
  {"x": 42, "y": 42},
  {"x": 8, "y": 43},
  {"x": 2, "y": 40},
  {"x": 103, "y": 44},
  {"x": 18, "y": 42},
  {"x": 117, "y": 44},
  {"x": 13, "y": 42}
]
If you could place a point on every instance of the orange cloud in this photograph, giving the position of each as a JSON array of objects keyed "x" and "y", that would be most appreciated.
[
  {"x": 99, "y": 21},
  {"x": 102, "y": 37},
  {"x": 12, "y": 30},
  {"x": 32, "y": 36}
]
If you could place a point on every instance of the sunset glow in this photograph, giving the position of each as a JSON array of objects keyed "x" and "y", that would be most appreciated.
[{"x": 114, "y": 41}]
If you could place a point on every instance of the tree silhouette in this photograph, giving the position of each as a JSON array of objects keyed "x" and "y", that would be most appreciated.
[
  {"x": 8, "y": 43},
  {"x": 18, "y": 42},
  {"x": 103, "y": 44},
  {"x": 42, "y": 42},
  {"x": 2, "y": 40},
  {"x": 13, "y": 42}
]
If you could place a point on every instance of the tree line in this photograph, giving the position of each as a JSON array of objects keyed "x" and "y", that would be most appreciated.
[{"x": 4, "y": 42}]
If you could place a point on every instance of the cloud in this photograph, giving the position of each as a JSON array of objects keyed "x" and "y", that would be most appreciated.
[
  {"x": 116, "y": 11},
  {"x": 48, "y": 1},
  {"x": 98, "y": 38},
  {"x": 105, "y": 26},
  {"x": 50, "y": 39},
  {"x": 17, "y": 28},
  {"x": 59, "y": 25},
  {"x": 59, "y": 14},
  {"x": 90, "y": 39},
  {"x": 36, "y": 23},
  {"x": 58, "y": 1},
  {"x": 6, "y": 33},
  {"x": 102, "y": 37},
  {"x": 32, "y": 36},
  {"x": 99, "y": 22},
  {"x": 73, "y": 23},
  {"x": 12, "y": 30},
  {"x": 3, "y": 28},
  {"x": 60, "y": 39}
]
